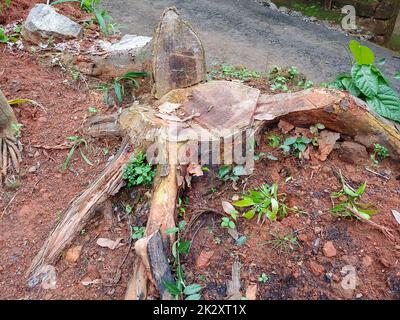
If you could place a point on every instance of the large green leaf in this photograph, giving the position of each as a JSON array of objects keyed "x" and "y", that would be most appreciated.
[
  {"x": 362, "y": 54},
  {"x": 386, "y": 103},
  {"x": 365, "y": 79},
  {"x": 350, "y": 86}
]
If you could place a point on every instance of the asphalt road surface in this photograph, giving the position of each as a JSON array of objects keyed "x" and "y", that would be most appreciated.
[{"x": 242, "y": 32}]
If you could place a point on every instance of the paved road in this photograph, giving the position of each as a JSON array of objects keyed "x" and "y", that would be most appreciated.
[{"x": 242, "y": 32}]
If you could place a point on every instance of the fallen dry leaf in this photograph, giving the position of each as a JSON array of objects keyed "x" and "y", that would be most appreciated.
[
  {"x": 227, "y": 207},
  {"x": 326, "y": 142},
  {"x": 203, "y": 260},
  {"x": 251, "y": 292},
  {"x": 108, "y": 243},
  {"x": 285, "y": 126}
]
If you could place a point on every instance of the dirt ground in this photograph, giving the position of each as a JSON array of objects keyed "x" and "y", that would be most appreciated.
[{"x": 33, "y": 203}]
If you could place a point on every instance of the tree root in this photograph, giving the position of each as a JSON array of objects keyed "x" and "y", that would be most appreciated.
[{"x": 10, "y": 156}]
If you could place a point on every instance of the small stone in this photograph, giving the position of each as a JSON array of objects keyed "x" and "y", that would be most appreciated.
[
  {"x": 367, "y": 261},
  {"x": 72, "y": 254},
  {"x": 359, "y": 295},
  {"x": 32, "y": 169},
  {"x": 329, "y": 249},
  {"x": 316, "y": 269}
]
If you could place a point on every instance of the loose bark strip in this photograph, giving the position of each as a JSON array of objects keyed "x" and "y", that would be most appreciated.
[{"x": 82, "y": 208}]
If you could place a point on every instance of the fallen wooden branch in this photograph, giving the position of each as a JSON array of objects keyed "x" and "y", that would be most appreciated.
[{"x": 82, "y": 209}]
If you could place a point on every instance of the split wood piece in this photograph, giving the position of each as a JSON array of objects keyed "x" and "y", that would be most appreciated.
[
  {"x": 151, "y": 250},
  {"x": 161, "y": 218},
  {"x": 336, "y": 110},
  {"x": 82, "y": 208},
  {"x": 179, "y": 59}
]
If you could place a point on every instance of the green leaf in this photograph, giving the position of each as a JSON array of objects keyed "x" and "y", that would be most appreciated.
[
  {"x": 193, "y": 297},
  {"x": 172, "y": 230},
  {"x": 172, "y": 288},
  {"x": 350, "y": 86},
  {"x": 101, "y": 21},
  {"x": 70, "y": 154},
  {"x": 244, "y": 203},
  {"x": 184, "y": 246},
  {"x": 192, "y": 289},
  {"x": 182, "y": 225},
  {"x": 274, "y": 206},
  {"x": 397, "y": 75},
  {"x": 239, "y": 171},
  {"x": 349, "y": 192},
  {"x": 360, "y": 191},
  {"x": 365, "y": 79},
  {"x": 86, "y": 159},
  {"x": 241, "y": 241},
  {"x": 231, "y": 225},
  {"x": 386, "y": 103},
  {"x": 223, "y": 171},
  {"x": 289, "y": 141},
  {"x": 362, "y": 54},
  {"x": 249, "y": 214},
  {"x": 272, "y": 158},
  {"x": 118, "y": 91}
]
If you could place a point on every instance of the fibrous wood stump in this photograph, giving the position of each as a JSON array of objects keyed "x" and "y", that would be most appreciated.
[{"x": 190, "y": 114}]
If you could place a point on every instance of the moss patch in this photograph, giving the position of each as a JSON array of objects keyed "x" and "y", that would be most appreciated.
[{"x": 312, "y": 9}]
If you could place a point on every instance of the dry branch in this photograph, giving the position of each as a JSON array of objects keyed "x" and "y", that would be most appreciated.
[{"x": 81, "y": 210}]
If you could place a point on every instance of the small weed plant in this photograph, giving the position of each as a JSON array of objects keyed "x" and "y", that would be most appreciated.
[
  {"x": 179, "y": 289},
  {"x": 350, "y": 205},
  {"x": 264, "y": 202},
  {"x": 78, "y": 143},
  {"x": 138, "y": 171}
]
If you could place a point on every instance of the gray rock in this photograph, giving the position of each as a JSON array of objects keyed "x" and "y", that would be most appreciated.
[
  {"x": 129, "y": 43},
  {"x": 43, "y": 22}
]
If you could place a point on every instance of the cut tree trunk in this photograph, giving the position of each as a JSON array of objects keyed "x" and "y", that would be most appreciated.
[{"x": 337, "y": 110}]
